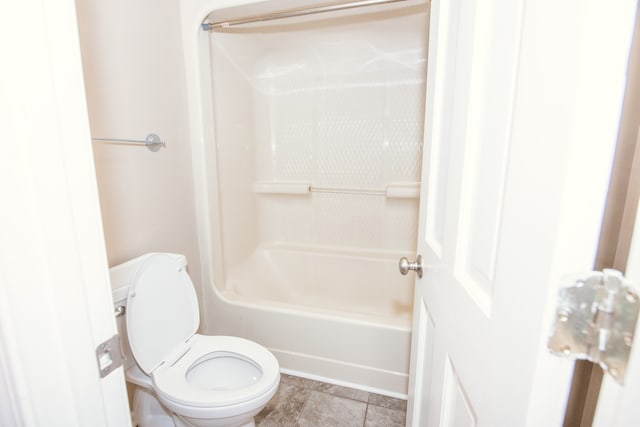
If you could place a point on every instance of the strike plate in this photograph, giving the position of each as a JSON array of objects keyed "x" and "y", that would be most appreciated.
[{"x": 109, "y": 356}]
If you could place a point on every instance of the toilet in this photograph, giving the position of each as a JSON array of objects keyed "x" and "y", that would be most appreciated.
[{"x": 181, "y": 378}]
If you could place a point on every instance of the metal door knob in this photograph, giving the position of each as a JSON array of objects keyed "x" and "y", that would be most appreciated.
[{"x": 405, "y": 266}]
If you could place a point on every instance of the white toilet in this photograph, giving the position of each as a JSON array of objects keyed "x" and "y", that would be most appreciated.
[{"x": 182, "y": 378}]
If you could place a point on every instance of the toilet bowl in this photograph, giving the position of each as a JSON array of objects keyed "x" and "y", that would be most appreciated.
[{"x": 183, "y": 378}]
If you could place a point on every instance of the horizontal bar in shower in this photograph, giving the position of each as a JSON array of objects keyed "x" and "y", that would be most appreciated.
[
  {"x": 298, "y": 11},
  {"x": 400, "y": 190}
]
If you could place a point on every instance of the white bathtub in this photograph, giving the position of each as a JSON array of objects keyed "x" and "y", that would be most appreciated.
[
  {"x": 307, "y": 138},
  {"x": 366, "y": 286}
]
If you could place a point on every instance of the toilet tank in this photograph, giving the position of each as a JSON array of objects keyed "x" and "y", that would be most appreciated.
[{"x": 121, "y": 277}]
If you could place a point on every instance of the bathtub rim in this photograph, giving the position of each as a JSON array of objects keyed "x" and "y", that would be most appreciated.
[{"x": 311, "y": 312}]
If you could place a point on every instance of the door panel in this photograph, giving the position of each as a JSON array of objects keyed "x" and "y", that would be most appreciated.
[
  {"x": 456, "y": 407},
  {"x": 515, "y": 172},
  {"x": 479, "y": 219}
]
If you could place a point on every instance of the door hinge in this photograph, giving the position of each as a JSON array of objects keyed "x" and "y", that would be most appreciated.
[
  {"x": 109, "y": 356},
  {"x": 596, "y": 320}
]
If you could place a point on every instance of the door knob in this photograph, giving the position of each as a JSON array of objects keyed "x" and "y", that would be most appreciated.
[{"x": 404, "y": 266}]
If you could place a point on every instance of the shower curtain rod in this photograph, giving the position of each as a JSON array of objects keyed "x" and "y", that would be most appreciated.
[{"x": 290, "y": 13}]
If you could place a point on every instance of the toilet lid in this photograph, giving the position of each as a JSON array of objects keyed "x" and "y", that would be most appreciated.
[{"x": 162, "y": 311}]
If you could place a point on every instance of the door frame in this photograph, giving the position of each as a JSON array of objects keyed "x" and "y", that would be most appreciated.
[
  {"x": 617, "y": 228},
  {"x": 55, "y": 295}
]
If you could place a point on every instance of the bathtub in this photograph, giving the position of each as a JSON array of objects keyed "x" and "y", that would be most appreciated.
[{"x": 307, "y": 139}]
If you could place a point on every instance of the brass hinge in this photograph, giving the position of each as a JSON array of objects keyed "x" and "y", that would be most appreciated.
[{"x": 596, "y": 320}]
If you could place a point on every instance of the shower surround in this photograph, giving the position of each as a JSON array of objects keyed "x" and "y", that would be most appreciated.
[{"x": 307, "y": 140}]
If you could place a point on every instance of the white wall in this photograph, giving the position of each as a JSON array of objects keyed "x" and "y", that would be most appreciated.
[{"x": 135, "y": 83}]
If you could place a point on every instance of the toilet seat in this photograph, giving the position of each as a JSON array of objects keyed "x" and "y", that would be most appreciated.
[
  {"x": 194, "y": 376},
  {"x": 171, "y": 382}
]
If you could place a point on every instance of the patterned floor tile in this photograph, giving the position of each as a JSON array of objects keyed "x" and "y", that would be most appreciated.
[
  {"x": 301, "y": 402},
  {"x": 285, "y": 407},
  {"x": 335, "y": 390},
  {"x": 377, "y": 416},
  {"x": 323, "y": 410},
  {"x": 387, "y": 402}
]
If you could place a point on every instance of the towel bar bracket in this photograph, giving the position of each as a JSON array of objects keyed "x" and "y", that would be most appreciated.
[{"x": 153, "y": 142}]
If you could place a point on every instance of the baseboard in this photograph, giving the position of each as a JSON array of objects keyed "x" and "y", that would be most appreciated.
[{"x": 387, "y": 383}]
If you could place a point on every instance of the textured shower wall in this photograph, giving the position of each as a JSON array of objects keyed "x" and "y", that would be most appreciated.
[
  {"x": 349, "y": 126},
  {"x": 336, "y": 104}
]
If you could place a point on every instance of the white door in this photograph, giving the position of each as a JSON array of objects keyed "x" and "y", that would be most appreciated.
[
  {"x": 55, "y": 298},
  {"x": 523, "y": 105}
]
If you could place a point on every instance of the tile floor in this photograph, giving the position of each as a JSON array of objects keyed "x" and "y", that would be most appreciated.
[{"x": 300, "y": 402}]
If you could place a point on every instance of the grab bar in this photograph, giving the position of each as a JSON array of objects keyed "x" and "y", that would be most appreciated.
[
  {"x": 153, "y": 142},
  {"x": 298, "y": 11},
  {"x": 398, "y": 190},
  {"x": 345, "y": 190},
  {"x": 392, "y": 191}
]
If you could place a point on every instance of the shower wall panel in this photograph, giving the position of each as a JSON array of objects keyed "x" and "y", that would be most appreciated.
[
  {"x": 318, "y": 127},
  {"x": 236, "y": 146}
]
